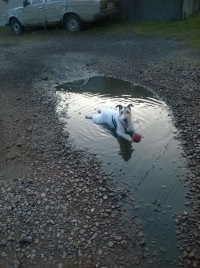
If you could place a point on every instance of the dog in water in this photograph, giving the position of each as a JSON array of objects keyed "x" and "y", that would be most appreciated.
[{"x": 120, "y": 120}]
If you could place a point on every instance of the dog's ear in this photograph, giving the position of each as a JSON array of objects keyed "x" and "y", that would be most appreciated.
[
  {"x": 129, "y": 106},
  {"x": 120, "y": 107}
]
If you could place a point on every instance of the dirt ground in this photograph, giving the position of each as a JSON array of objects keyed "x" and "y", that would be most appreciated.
[{"x": 58, "y": 206}]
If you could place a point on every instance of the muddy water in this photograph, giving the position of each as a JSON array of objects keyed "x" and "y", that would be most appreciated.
[{"x": 149, "y": 170}]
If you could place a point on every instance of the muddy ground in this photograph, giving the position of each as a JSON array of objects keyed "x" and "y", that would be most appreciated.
[{"x": 58, "y": 206}]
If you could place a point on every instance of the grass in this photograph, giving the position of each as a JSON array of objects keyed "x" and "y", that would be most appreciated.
[{"x": 185, "y": 30}]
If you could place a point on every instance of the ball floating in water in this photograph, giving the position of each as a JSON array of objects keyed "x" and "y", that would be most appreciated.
[{"x": 136, "y": 137}]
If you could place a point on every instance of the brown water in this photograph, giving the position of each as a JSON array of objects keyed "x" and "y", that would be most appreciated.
[{"x": 150, "y": 170}]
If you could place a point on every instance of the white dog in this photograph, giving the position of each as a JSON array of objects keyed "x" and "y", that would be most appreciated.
[{"x": 120, "y": 120}]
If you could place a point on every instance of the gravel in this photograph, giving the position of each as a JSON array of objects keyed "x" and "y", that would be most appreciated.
[{"x": 51, "y": 212}]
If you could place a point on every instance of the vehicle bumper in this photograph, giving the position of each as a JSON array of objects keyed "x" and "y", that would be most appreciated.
[{"x": 106, "y": 13}]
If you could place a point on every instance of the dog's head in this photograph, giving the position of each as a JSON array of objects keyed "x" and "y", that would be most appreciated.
[{"x": 125, "y": 114}]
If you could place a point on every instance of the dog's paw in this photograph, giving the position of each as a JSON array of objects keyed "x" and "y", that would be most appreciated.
[{"x": 131, "y": 140}]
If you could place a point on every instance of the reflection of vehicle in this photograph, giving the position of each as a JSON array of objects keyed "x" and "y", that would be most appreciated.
[{"x": 71, "y": 13}]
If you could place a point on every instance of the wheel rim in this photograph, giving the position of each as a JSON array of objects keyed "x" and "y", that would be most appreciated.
[
  {"x": 16, "y": 28},
  {"x": 73, "y": 25}
]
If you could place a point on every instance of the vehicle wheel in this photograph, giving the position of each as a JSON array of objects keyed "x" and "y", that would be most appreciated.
[
  {"x": 16, "y": 26},
  {"x": 73, "y": 23}
]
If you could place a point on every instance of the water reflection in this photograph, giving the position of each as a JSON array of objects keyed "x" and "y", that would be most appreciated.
[
  {"x": 107, "y": 87},
  {"x": 126, "y": 148}
]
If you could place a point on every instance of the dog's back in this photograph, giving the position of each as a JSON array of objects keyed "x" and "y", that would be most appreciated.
[{"x": 105, "y": 116}]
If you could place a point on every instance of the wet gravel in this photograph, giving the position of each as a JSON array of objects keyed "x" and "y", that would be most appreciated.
[
  {"x": 58, "y": 206},
  {"x": 183, "y": 95}
]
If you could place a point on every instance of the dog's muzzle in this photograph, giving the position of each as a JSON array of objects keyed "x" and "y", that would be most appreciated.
[{"x": 125, "y": 123}]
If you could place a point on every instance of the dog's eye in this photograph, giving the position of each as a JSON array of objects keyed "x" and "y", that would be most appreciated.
[
  {"x": 121, "y": 112},
  {"x": 128, "y": 112}
]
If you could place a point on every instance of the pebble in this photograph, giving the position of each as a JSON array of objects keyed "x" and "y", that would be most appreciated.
[
  {"x": 3, "y": 243},
  {"x": 16, "y": 264},
  {"x": 143, "y": 243},
  {"x": 110, "y": 244},
  {"x": 100, "y": 251},
  {"x": 43, "y": 195},
  {"x": 3, "y": 254}
]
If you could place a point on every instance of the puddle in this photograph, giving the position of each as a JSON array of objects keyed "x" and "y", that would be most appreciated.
[{"x": 150, "y": 170}]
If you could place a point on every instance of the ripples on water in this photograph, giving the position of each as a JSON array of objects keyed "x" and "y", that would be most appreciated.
[{"x": 150, "y": 169}]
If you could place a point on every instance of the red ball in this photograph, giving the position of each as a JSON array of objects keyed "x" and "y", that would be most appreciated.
[{"x": 136, "y": 137}]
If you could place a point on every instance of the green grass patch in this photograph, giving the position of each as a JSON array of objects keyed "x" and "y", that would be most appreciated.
[{"x": 187, "y": 30}]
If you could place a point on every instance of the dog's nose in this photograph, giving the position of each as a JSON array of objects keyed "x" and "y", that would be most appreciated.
[{"x": 125, "y": 120}]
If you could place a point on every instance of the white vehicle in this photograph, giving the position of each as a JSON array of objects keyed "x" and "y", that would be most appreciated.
[{"x": 71, "y": 13}]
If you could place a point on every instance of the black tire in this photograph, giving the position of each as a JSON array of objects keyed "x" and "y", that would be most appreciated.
[
  {"x": 16, "y": 26},
  {"x": 73, "y": 23}
]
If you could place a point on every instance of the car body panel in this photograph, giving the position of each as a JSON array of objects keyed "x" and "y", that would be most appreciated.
[
  {"x": 44, "y": 12},
  {"x": 33, "y": 14}
]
